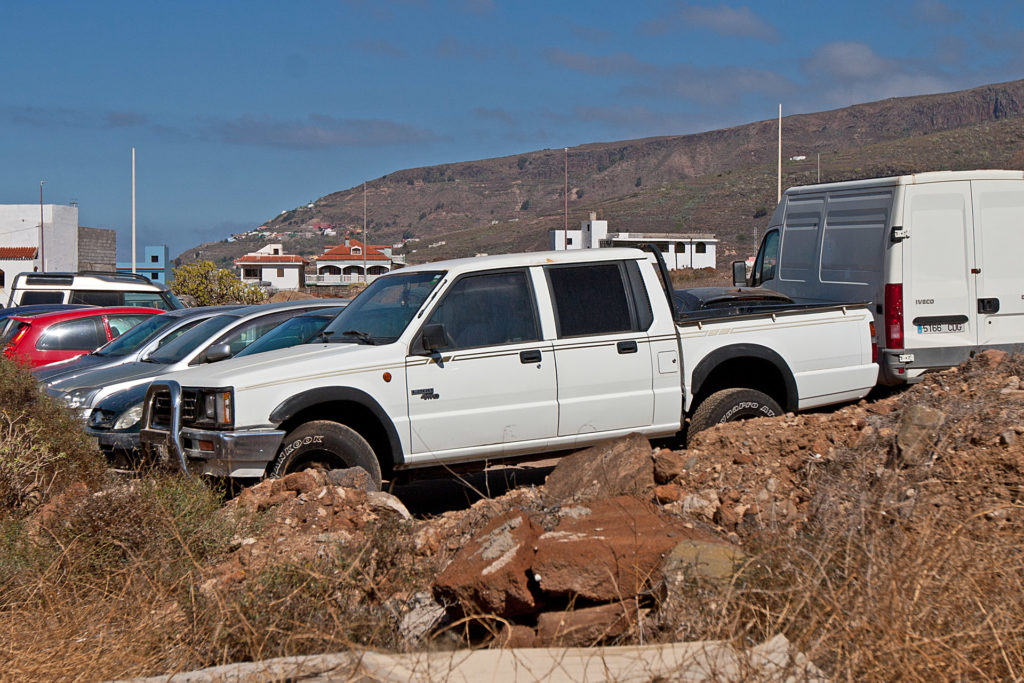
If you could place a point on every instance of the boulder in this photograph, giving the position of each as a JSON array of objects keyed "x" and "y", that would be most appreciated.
[
  {"x": 585, "y": 627},
  {"x": 351, "y": 478},
  {"x": 614, "y": 552},
  {"x": 668, "y": 465},
  {"x": 623, "y": 466},
  {"x": 490, "y": 574}
]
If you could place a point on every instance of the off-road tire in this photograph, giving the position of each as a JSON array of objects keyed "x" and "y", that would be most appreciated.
[
  {"x": 326, "y": 445},
  {"x": 731, "y": 405}
]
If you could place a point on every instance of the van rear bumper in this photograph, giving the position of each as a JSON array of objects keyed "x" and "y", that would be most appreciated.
[{"x": 906, "y": 366}]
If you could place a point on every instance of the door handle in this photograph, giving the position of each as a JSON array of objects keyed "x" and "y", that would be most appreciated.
[
  {"x": 626, "y": 346},
  {"x": 988, "y": 305},
  {"x": 531, "y": 356}
]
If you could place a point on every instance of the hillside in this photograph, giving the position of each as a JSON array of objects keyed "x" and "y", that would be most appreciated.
[{"x": 720, "y": 181}]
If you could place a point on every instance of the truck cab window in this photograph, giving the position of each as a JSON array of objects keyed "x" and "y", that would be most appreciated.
[
  {"x": 487, "y": 310},
  {"x": 767, "y": 259},
  {"x": 590, "y": 299}
]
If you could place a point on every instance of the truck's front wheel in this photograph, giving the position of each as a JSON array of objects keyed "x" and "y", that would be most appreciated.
[
  {"x": 325, "y": 445},
  {"x": 730, "y": 405}
]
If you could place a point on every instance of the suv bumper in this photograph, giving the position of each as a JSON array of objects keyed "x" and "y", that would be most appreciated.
[
  {"x": 222, "y": 454},
  {"x": 238, "y": 453}
]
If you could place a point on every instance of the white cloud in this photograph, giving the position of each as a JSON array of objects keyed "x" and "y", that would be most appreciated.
[{"x": 723, "y": 19}]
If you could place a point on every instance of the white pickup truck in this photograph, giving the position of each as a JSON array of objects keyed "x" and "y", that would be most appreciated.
[{"x": 490, "y": 358}]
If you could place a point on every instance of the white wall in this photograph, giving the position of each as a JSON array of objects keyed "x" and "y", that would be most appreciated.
[
  {"x": 290, "y": 280},
  {"x": 19, "y": 227}
]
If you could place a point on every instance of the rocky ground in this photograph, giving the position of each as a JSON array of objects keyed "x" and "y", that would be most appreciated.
[
  {"x": 882, "y": 540},
  {"x": 610, "y": 547}
]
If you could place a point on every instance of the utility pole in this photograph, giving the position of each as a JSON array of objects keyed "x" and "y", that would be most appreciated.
[
  {"x": 778, "y": 198},
  {"x": 366, "y": 278},
  {"x": 42, "y": 252},
  {"x": 566, "y": 225},
  {"x": 133, "y": 210}
]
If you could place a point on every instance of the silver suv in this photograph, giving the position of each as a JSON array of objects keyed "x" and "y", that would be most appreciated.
[{"x": 93, "y": 288}]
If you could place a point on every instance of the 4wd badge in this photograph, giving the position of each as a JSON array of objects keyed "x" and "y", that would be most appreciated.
[{"x": 426, "y": 394}]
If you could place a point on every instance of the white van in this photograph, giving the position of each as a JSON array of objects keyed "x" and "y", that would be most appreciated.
[
  {"x": 93, "y": 288},
  {"x": 938, "y": 255}
]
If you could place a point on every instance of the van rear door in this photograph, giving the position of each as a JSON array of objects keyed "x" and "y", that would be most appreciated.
[
  {"x": 939, "y": 310},
  {"x": 998, "y": 233}
]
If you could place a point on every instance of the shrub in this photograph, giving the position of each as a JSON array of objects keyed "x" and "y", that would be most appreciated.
[
  {"x": 209, "y": 285},
  {"x": 42, "y": 447}
]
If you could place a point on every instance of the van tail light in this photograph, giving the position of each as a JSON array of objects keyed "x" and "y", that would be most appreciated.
[
  {"x": 874, "y": 343},
  {"x": 894, "y": 316}
]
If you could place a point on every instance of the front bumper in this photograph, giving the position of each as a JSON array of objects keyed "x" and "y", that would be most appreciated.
[
  {"x": 238, "y": 453},
  {"x": 222, "y": 454}
]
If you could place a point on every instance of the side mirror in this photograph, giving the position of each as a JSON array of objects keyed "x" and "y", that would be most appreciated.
[
  {"x": 217, "y": 352},
  {"x": 739, "y": 274},
  {"x": 433, "y": 338}
]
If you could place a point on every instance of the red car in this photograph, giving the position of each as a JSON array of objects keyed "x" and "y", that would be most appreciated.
[{"x": 49, "y": 337}]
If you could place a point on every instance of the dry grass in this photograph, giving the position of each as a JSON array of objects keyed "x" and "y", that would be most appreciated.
[{"x": 112, "y": 579}]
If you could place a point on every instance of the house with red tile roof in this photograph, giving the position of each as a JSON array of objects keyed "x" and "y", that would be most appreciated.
[
  {"x": 343, "y": 263},
  {"x": 271, "y": 267}
]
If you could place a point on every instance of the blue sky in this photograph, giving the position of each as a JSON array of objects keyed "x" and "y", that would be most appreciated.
[{"x": 240, "y": 110}]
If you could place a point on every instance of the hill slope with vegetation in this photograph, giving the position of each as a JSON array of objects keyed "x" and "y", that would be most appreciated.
[{"x": 721, "y": 181}]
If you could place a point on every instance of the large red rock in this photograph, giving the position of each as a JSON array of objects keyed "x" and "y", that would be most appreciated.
[
  {"x": 623, "y": 466},
  {"x": 585, "y": 627},
  {"x": 490, "y": 574},
  {"x": 608, "y": 550}
]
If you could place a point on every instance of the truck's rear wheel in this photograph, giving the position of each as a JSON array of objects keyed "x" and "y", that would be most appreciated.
[
  {"x": 730, "y": 405},
  {"x": 325, "y": 445}
]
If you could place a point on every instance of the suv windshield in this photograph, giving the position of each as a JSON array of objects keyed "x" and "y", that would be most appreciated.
[
  {"x": 191, "y": 340},
  {"x": 382, "y": 311},
  {"x": 135, "y": 337},
  {"x": 291, "y": 332}
]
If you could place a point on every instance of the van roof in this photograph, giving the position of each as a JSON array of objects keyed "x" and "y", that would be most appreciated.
[{"x": 911, "y": 179}]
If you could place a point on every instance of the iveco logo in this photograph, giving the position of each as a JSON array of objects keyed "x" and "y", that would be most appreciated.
[{"x": 924, "y": 302}]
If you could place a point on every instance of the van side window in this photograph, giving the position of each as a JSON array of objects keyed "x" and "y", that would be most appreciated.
[
  {"x": 30, "y": 298},
  {"x": 767, "y": 259},
  {"x": 97, "y": 298},
  {"x": 590, "y": 299}
]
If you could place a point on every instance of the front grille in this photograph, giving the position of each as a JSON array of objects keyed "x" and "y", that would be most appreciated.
[
  {"x": 160, "y": 413},
  {"x": 189, "y": 406}
]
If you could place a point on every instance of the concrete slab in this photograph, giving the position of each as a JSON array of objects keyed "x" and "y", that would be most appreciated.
[{"x": 774, "y": 660}]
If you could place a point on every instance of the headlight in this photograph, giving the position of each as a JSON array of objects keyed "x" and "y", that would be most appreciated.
[
  {"x": 209, "y": 408},
  {"x": 129, "y": 418},
  {"x": 80, "y": 399}
]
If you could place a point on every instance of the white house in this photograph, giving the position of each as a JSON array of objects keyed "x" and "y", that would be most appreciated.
[
  {"x": 344, "y": 263},
  {"x": 61, "y": 246},
  {"x": 271, "y": 267},
  {"x": 697, "y": 250}
]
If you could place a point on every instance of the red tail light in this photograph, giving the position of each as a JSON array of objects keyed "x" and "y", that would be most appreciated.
[
  {"x": 894, "y": 316},
  {"x": 12, "y": 345},
  {"x": 874, "y": 343}
]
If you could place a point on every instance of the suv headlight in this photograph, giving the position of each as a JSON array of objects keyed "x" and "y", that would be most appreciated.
[{"x": 210, "y": 408}]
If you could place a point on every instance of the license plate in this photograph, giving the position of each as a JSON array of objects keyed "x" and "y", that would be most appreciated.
[{"x": 943, "y": 328}]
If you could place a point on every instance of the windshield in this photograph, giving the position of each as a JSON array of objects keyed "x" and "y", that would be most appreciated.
[
  {"x": 191, "y": 340},
  {"x": 291, "y": 332},
  {"x": 135, "y": 337},
  {"x": 383, "y": 310}
]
